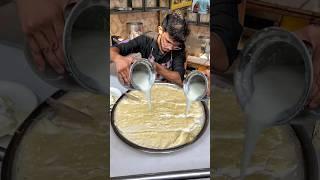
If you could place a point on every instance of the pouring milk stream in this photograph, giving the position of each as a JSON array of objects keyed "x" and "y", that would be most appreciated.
[
  {"x": 142, "y": 78},
  {"x": 195, "y": 88},
  {"x": 272, "y": 82}
]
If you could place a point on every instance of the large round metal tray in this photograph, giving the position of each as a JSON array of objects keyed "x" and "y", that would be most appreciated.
[
  {"x": 12, "y": 151},
  {"x": 153, "y": 150}
]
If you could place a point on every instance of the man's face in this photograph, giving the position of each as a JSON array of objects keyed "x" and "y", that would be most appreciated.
[{"x": 167, "y": 44}]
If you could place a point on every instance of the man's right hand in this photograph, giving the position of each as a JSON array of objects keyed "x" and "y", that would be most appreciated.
[
  {"x": 123, "y": 64},
  {"x": 43, "y": 21}
]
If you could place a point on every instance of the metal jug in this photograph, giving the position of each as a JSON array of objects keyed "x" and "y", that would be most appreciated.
[
  {"x": 140, "y": 65},
  {"x": 198, "y": 77},
  {"x": 86, "y": 69},
  {"x": 275, "y": 46},
  {"x": 134, "y": 29}
]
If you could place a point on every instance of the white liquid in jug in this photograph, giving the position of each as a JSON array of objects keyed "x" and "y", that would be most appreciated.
[
  {"x": 90, "y": 56},
  {"x": 142, "y": 80}
]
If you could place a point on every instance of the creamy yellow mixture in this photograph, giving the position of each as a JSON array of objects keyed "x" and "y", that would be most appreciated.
[
  {"x": 278, "y": 153},
  {"x": 166, "y": 125},
  {"x": 52, "y": 152},
  {"x": 8, "y": 121}
]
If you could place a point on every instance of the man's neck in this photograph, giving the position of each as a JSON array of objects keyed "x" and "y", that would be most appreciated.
[{"x": 159, "y": 43}]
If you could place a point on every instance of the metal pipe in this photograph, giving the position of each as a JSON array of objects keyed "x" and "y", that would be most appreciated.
[{"x": 187, "y": 174}]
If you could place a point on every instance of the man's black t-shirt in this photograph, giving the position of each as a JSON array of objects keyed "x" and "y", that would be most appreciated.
[
  {"x": 146, "y": 44},
  {"x": 225, "y": 23}
]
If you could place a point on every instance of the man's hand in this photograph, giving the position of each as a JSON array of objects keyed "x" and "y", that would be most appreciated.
[
  {"x": 169, "y": 75},
  {"x": 311, "y": 34},
  {"x": 219, "y": 54},
  {"x": 315, "y": 95},
  {"x": 43, "y": 23},
  {"x": 123, "y": 64}
]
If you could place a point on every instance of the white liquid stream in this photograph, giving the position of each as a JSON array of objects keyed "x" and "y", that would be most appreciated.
[
  {"x": 196, "y": 90},
  {"x": 277, "y": 88},
  {"x": 141, "y": 79}
]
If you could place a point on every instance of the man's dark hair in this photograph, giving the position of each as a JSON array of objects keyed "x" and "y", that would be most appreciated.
[{"x": 176, "y": 26}]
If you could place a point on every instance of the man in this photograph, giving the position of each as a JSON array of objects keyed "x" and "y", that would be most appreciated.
[{"x": 166, "y": 49}]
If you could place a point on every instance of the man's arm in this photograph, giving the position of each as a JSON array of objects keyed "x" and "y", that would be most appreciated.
[
  {"x": 219, "y": 54},
  {"x": 122, "y": 63},
  {"x": 42, "y": 22},
  {"x": 178, "y": 67},
  {"x": 118, "y": 55},
  {"x": 171, "y": 76},
  {"x": 115, "y": 54},
  {"x": 226, "y": 31}
]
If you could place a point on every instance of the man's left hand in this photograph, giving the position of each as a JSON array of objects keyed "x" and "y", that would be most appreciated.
[
  {"x": 311, "y": 34},
  {"x": 315, "y": 95}
]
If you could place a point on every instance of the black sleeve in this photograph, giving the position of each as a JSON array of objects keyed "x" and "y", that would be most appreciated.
[
  {"x": 178, "y": 64},
  {"x": 225, "y": 23},
  {"x": 133, "y": 46}
]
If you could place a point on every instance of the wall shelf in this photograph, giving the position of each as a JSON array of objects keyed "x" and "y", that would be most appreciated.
[
  {"x": 154, "y": 9},
  {"x": 144, "y": 8},
  {"x": 198, "y": 22}
]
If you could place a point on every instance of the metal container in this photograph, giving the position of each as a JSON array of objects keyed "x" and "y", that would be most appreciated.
[
  {"x": 198, "y": 77},
  {"x": 134, "y": 29},
  {"x": 118, "y": 4},
  {"x": 140, "y": 65},
  {"x": 86, "y": 69},
  {"x": 273, "y": 46},
  {"x": 205, "y": 46},
  {"x": 151, "y": 3},
  {"x": 205, "y": 18}
]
